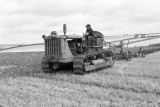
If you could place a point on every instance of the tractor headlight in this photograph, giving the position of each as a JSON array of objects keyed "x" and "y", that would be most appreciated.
[{"x": 43, "y": 36}]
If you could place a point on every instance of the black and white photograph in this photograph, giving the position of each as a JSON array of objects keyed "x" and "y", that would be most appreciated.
[{"x": 79, "y": 53}]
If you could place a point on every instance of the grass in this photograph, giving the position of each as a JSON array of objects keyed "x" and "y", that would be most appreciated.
[{"x": 127, "y": 84}]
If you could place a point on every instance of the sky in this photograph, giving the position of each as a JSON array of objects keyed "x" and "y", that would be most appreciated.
[{"x": 25, "y": 21}]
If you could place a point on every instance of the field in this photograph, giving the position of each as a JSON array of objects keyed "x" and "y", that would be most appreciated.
[
  {"x": 2, "y": 46},
  {"x": 127, "y": 84}
]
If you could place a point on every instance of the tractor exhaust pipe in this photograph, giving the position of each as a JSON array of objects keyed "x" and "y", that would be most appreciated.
[{"x": 64, "y": 29}]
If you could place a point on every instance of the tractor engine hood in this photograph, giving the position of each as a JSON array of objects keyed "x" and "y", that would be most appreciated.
[{"x": 62, "y": 37}]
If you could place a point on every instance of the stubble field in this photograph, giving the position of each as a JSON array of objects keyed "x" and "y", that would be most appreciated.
[{"x": 127, "y": 84}]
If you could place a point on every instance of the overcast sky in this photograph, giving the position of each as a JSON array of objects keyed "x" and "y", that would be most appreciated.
[{"x": 25, "y": 21}]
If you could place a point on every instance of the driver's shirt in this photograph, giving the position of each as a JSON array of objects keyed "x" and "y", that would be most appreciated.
[{"x": 90, "y": 32}]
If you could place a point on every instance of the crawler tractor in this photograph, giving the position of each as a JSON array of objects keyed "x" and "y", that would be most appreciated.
[{"x": 72, "y": 50}]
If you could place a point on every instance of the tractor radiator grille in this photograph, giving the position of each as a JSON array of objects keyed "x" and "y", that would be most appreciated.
[{"x": 52, "y": 47}]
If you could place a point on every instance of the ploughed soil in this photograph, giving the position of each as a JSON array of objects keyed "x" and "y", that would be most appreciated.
[{"x": 134, "y": 83}]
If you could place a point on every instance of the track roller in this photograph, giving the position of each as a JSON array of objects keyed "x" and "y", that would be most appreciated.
[
  {"x": 45, "y": 67},
  {"x": 78, "y": 65}
]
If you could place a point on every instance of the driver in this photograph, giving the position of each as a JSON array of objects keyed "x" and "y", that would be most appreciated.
[{"x": 89, "y": 35}]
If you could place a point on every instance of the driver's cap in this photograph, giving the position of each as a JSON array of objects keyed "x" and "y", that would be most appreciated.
[{"x": 88, "y": 25}]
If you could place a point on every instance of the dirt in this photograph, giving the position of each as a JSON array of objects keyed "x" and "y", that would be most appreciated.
[
  {"x": 132, "y": 83},
  {"x": 121, "y": 65}
]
